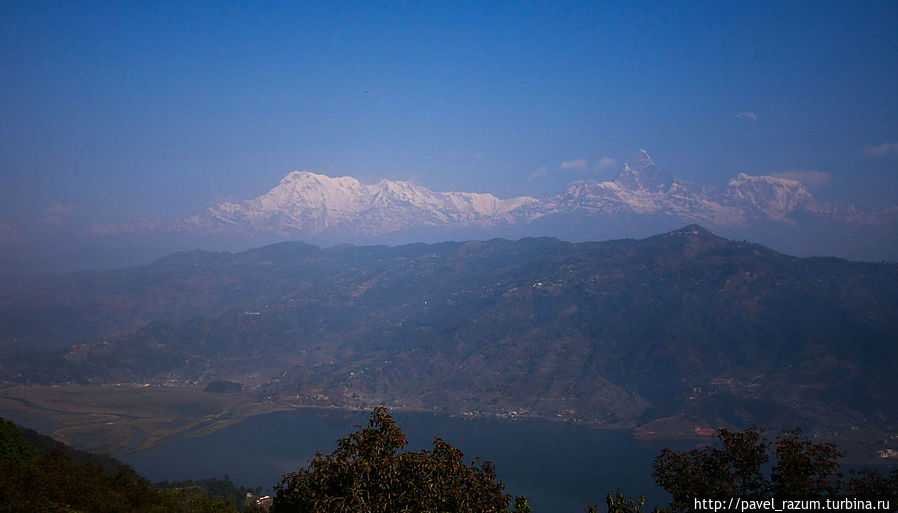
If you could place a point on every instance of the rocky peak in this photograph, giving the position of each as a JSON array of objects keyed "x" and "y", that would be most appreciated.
[{"x": 640, "y": 173}]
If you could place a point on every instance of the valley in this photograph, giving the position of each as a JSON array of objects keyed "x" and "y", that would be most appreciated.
[
  {"x": 129, "y": 417},
  {"x": 667, "y": 335}
]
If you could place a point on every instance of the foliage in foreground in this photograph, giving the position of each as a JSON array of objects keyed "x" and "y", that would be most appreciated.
[
  {"x": 370, "y": 472},
  {"x": 214, "y": 489},
  {"x": 53, "y": 483},
  {"x": 735, "y": 468},
  {"x": 367, "y": 473}
]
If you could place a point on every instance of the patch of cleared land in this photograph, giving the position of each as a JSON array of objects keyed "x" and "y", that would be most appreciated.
[{"x": 133, "y": 417}]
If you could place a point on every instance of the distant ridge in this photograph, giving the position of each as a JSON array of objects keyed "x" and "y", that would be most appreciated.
[
  {"x": 639, "y": 201},
  {"x": 776, "y": 211}
]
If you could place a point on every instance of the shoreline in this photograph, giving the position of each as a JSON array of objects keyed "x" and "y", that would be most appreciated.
[{"x": 133, "y": 417}]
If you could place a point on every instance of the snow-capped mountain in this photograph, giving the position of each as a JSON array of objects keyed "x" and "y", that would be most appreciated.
[
  {"x": 640, "y": 201},
  {"x": 305, "y": 203},
  {"x": 312, "y": 203},
  {"x": 641, "y": 189}
]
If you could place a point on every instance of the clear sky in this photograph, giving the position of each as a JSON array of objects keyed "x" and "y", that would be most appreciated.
[{"x": 113, "y": 111}]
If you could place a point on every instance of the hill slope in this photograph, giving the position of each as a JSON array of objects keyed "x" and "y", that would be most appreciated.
[{"x": 619, "y": 332}]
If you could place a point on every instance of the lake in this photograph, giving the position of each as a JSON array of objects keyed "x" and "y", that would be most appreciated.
[{"x": 561, "y": 467}]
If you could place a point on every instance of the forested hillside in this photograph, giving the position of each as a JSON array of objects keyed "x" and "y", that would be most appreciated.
[{"x": 719, "y": 332}]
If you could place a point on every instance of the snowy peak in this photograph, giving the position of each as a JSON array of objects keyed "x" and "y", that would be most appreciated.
[
  {"x": 305, "y": 205},
  {"x": 641, "y": 188},
  {"x": 311, "y": 203},
  {"x": 771, "y": 196},
  {"x": 309, "y": 190},
  {"x": 640, "y": 173},
  {"x": 640, "y": 162}
]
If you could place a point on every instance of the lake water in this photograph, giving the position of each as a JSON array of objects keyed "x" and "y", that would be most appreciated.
[{"x": 561, "y": 467}]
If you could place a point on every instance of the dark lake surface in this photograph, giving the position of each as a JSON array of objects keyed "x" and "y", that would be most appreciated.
[{"x": 561, "y": 467}]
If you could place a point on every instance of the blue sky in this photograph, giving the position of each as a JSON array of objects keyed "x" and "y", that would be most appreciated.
[{"x": 112, "y": 111}]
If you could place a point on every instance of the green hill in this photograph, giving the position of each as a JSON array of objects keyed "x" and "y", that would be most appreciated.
[{"x": 41, "y": 475}]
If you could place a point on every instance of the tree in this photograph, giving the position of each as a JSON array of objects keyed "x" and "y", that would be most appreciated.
[
  {"x": 732, "y": 468},
  {"x": 13, "y": 447},
  {"x": 370, "y": 472},
  {"x": 618, "y": 503},
  {"x": 871, "y": 485},
  {"x": 805, "y": 469}
]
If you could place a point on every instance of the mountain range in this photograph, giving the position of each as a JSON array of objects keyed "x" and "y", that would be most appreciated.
[
  {"x": 685, "y": 324},
  {"x": 642, "y": 200}
]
